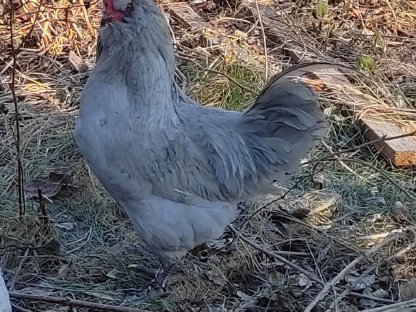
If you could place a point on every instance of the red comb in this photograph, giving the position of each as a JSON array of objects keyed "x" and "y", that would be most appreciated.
[{"x": 110, "y": 13}]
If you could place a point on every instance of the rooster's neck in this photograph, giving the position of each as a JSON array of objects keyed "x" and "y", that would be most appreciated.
[{"x": 147, "y": 70}]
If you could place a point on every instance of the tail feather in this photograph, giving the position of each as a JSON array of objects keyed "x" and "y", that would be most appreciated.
[{"x": 284, "y": 124}]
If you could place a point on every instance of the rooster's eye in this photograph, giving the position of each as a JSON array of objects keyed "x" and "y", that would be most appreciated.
[{"x": 129, "y": 8}]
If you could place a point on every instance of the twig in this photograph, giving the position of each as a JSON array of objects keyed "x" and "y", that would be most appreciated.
[
  {"x": 28, "y": 34},
  {"x": 341, "y": 274},
  {"x": 263, "y": 33},
  {"x": 43, "y": 215},
  {"x": 74, "y": 303},
  {"x": 340, "y": 161},
  {"x": 20, "y": 192},
  {"x": 401, "y": 305},
  {"x": 19, "y": 309},
  {"x": 86, "y": 18},
  {"x": 364, "y": 296}
]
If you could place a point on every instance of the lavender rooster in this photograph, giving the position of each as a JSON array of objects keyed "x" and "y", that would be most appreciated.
[{"x": 177, "y": 168}]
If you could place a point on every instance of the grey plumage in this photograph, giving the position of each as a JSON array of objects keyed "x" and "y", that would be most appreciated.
[{"x": 177, "y": 168}]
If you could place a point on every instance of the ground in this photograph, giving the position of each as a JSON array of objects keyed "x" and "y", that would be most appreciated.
[{"x": 346, "y": 226}]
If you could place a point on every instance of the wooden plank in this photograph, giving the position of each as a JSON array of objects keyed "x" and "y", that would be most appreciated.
[
  {"x": 214, "y": 37},
  {"x": 400, "y": 152}
]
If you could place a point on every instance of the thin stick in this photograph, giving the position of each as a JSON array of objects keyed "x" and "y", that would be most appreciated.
[
  {"x": 263, "y": 33},
  {"x": 19, "y": 309},
  {"x": 20, "y": 188},
  {"x": 74, "y": 303},
  {"x": 340, "y": 161},
  {"x": 86, "y": 18},
  {"x": 28, "y": 34},
  {"x": 341, "y": 274}
]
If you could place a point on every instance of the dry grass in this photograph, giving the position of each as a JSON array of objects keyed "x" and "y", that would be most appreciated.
[{"x": 89, "y": 251}]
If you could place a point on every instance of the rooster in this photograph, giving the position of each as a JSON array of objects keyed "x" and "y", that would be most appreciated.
[{"x": 177, "y": 168}]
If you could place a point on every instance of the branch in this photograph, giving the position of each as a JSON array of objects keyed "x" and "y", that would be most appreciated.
[{"x": 21, "y": 196}]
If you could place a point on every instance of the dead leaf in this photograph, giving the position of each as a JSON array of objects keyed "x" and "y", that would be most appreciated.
[
  {"x": 133, "y": 266},
  {"x": 217, "y": 308},
  {"x": 48, "y": 188},
  {"x": 403, "y": 213},
  {"x": 355, "y": 12},
  {"x": 52, "y": 247}
]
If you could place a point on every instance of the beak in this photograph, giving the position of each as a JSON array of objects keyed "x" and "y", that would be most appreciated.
[{"x": 106, "y": 18}]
